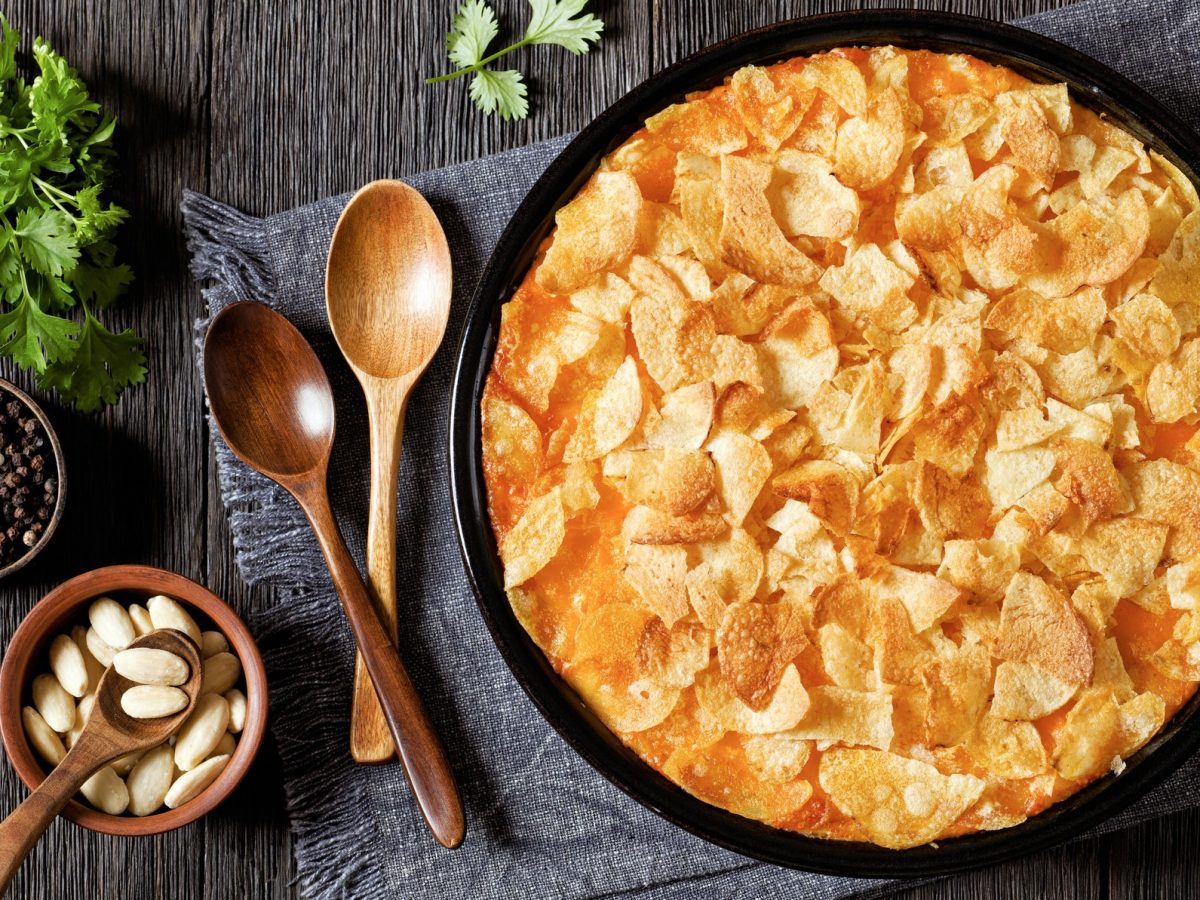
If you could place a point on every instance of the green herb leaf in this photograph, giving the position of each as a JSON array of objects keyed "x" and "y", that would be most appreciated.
[
  {"x": 57, "y": 256},
  {"x": 555, "y": 22},
  {"x": 473, "y": 29}
]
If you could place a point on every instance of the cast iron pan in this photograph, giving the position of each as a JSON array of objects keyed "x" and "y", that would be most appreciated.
[{"x": 1038, "y": 58}]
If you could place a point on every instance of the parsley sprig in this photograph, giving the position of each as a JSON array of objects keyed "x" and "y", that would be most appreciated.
[
  {"x": 58, "y": 269},
  {"x": 503, "y": 92}
]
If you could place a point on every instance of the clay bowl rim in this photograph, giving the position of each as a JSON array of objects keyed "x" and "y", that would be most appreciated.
[
  {"x": 62, "y": 606},
  {"x": 60, "y": 464}
]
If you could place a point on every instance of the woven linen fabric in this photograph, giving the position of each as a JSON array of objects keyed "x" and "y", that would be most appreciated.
[{"x": 541, "y": 822}]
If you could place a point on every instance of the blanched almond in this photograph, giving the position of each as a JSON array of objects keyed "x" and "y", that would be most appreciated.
[
  {"x": 150, "y": 780},
  {"x": 225, "y": 746},
  {"x": 148, "y": 665},
  {"x": 201, "y": 732},
  {"x": 153, "y": 701},
  {"x": 212, "y": 643},
  {"x": 190, "y": 784},
  {"x": 237, "y": 710},
  {"x": 42, "y": 736},
  {"x": 99, "y": 649},
  {"x": 56, "y": 705},
  {"x": 123, "y": 765},
  {"x": 67, "y": 664},
  {"x": 106, "y": 791},
  {"x": 221, "y": 672},
  {"x": 81, "y": 716},
  {"x": 141, "y": 619},
  {"x": 112, "y": 623},
  {"x": 93, "y": 666},
  {"x": 166, "y": 613}
]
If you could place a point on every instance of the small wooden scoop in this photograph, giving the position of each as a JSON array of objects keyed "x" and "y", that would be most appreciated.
[{"x": 109, "y": 733}]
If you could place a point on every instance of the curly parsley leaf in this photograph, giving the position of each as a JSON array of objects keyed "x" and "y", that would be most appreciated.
[
  {"x": 474, "y": 27},
  {"x": 57, "y": 255}
]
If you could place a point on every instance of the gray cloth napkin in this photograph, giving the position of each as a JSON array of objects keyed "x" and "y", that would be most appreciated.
[{"x": 541, "y": 822}]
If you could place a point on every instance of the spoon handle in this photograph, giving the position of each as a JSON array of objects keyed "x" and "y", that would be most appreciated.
[
  {"x": 421, "y": 753},
  {"x": 370, "y": 739},
  {"x": 25, "y": 824}
]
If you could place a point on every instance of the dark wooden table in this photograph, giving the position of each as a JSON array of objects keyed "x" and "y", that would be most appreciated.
[{"x": 270, "y": 105}]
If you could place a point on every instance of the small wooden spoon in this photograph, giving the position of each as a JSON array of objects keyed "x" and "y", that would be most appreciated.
[
  {"x": 110, "y": 732},
  {"x": 387, "y": 293},
  {"x": 273, "y": 405}
]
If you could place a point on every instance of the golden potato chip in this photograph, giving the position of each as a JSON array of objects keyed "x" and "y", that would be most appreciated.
[
  {"x": 1154, "y": 597},
  {"x": 665, "y": 330},
  {"x": 959, "y": 683},
  {"x": 798, "y": 354},
  {"x": 871, "y": 286},
  {"x": 579, "y": 493},
  {"x": 948, "y": 507},
  {"x": 658, "y": 574},
  {"x": 949, "y": 119},
  {"x": 1014, "y": 384},
  {"x": 1166, "y": 492},
  {"x": 925, "y": 597},
  {"x": 1063, "y": 325},
  {"x": 1017, "y": 429},
  {"x": 983, "y": 567},
  {"x": 701, "y": 208},
  {"x": 608, "y": 420},
  {"x": 774, "y": 757},
  {"x": 750, "y": 239},
  {"x": 771, "y": 115},
  {"x": 660, "y": 231},
  {"x": 898, "y": 802},
  {"x": 869, "y": 145},
  {"x": 830, "y": 490},
  {"x": 1011, "y": 474},
  {"x": 803, "y": 539},
  {"x": 607, "y": 298},
  {"x": 644, "y": 525},
  {"x": 948, "y": 435},
  {"x": 783, "y": 710},
  {"x": 838, "y": 78},
  {"x": 685, "y": 418},
  {"x": 647, "y": 161},
  {"x": 1147, "y": 332},
  {"x": 1071, "y": 423},
  {"x": 1173, "y": 391},
  {"x": 998, "y": 245},
  {"x": 689, "y": 274},
  {"x": 1094, "y": 242},
  {"x": 1039, "y": 626},
  {"x": 841, "y": 715},
  {"x": 512, "y": 442},
  {"x": 595, "y": 231},
  {"x": 1090, "y": 737},
  {"x": 534, "y": 540},
  {"x": 1089, "y": 479},
  {"x": 900, "y": 655},
  {"x": 929, "y": 220},
  {"x": 1179, "y": 267},
  {"x": 1183, "y": 585},
  {"x": 674, "y": 481},
  {"x": 697, "y": 127},
  {"x": 1033, "y": 143},
  {"x": 806, "y": 198},
  {"x": 741, "y": 306},
  {"x": 1046, "y": 507},
  {"x": 705, "y": 597},
  {"x": 733, "y": 565},
  {"x": 743, "y": 467},
  {"x": 696, "y": 770},
  {"x": 1025, "y": 692},
  {"x": 1009, "y": 749},
  {"x": 1125, "y": 551},
  {"x": 1110, "y": 671},
  {"x": 744, "y": 408},
  {"x": 755, "y": 643},
  {"x": 846, "y": 659},
  {"x": 734, "y": 361}
]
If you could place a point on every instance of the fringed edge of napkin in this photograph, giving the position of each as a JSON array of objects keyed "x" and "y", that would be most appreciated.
[{"x": 327, "y": 807}]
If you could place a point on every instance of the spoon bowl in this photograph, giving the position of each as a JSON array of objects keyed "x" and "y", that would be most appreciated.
[
  {"x": 267, "y": 391},
  {"x": 388, "y": 281}
]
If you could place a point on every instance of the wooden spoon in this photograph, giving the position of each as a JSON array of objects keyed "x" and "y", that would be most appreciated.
[
  {"x": 387, "y": 292},
  {"x": 110, "y": 732},
  {"x": 273, "y": 405}
]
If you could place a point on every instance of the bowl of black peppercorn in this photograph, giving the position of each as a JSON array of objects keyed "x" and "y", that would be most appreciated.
[{"x": 33, "y": 479}]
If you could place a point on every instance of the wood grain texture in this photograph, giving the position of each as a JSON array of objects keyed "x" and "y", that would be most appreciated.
[{"x": 266, "y": 106}]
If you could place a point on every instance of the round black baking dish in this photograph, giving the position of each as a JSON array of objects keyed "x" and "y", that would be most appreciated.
[{"x": 1036, "y": 57}]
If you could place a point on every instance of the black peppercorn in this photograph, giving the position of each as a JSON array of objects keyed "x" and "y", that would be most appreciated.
[{"x": 28, "y": 482}]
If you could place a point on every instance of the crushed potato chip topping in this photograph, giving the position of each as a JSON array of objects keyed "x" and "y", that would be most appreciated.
[{"x": 841, "y": 445}]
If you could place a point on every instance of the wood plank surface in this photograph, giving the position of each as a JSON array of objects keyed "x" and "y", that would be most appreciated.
[{"x": 270, "y": 105}]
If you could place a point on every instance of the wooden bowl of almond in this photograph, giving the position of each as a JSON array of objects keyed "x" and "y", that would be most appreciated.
[{"x": 56, "y": 657}]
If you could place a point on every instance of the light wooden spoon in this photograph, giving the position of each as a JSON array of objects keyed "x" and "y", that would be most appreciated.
[
  {"x": 387, "y": 292},
  {"x": 110, "y": 733}
]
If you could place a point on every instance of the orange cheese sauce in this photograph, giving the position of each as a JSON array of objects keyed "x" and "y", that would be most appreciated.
[{"x": 587, "y": 572}]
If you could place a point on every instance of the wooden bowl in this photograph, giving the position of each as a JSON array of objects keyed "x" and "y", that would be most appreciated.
[
  {"x": 8, "y": 389},
  {"x": 66, "y": 606}
]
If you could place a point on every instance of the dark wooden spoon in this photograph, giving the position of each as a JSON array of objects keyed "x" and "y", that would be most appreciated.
[
  {"x": 273, "y": 405},
  {"x": 110, "y": 732}
]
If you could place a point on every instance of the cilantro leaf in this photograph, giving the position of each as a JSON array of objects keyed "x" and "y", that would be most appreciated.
[
  {"x": 104, "y": 363},
  {"x": 475, "y": 26},
  {"x": 57, "y": 254},
  {"x": 500, "y": 92},
  {"x": 555, "y": 22}
]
